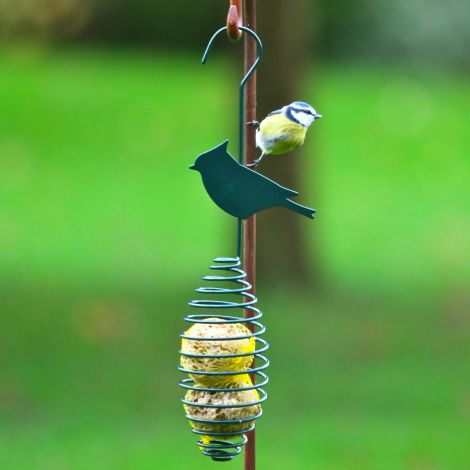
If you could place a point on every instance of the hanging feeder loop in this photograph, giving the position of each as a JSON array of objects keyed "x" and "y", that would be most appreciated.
[{"x": 234, "y": 20}]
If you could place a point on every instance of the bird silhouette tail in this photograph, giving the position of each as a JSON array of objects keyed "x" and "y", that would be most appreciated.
[{"x": 293, "y": 206}]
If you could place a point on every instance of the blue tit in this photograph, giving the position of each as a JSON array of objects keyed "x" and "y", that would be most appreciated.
[{"x": 283, "y": 130}]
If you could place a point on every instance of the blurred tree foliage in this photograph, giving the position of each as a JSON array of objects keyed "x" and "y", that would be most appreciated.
[
  {"x": 167, "y": 23},
  {"x": 44, "y": 19},
  {"x": 428, "y": 30},
  {"x": 423, "y": 30}
]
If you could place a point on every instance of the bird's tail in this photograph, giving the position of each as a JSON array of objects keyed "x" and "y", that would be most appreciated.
[{"x": 293, "y": 206}]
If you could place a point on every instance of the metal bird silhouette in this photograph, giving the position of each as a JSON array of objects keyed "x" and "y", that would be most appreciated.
[{"x": 240, "y": 191}]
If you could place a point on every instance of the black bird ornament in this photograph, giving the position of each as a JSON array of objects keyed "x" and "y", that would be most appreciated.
[{"x": 240, "y": 191}]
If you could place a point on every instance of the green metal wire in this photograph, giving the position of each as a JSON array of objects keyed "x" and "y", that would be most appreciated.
[{"x": 241, "y": 123}]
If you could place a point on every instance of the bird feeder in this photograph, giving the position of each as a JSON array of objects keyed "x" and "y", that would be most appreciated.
[{"x": 223, "y": 350}]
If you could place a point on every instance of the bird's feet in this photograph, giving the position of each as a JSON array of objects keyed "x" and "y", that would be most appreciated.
[
  {"x": 254, "y": 124},
  {"x": 254, "y": 163}
]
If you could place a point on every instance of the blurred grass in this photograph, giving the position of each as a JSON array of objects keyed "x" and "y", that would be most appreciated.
[{"x": 103, "y": 236}]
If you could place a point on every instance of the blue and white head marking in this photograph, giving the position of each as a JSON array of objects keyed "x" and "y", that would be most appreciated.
[{"x": 301, "y": 113}]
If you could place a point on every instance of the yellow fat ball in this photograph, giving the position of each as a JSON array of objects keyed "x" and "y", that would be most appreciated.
[
  {"x": 218, "y": 414},
  {"x": 214, "y": 347}
]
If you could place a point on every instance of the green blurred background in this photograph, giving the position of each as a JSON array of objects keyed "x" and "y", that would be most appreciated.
[{"x": 104, "y": 233}]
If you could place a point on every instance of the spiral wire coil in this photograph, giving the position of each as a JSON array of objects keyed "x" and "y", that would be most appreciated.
[{"x": 228, "y": 271}]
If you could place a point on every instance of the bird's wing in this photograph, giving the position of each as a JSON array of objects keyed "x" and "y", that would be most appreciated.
[
  {"x": 263, "y": 183},
  {"x": 278, "y": 138}
]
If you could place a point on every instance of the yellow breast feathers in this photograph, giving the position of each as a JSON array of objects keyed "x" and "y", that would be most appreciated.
[{"x": 278, "y": 134}]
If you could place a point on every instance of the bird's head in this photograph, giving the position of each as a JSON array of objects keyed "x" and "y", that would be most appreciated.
[
  {"x": 301, "y": 113},
  {"x": 201, "y": 162},
  {"x": 215, "y": 157}
]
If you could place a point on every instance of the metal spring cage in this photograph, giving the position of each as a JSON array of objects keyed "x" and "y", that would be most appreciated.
[{"x": 228, "y": 271}]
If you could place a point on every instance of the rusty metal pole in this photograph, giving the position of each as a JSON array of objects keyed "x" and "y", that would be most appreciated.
[{"x": 249, "y": 227}]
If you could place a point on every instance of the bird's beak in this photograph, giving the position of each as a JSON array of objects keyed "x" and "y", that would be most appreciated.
[
  {"x": 193, "y": 166},
  {"x": 317, "y": 116}
]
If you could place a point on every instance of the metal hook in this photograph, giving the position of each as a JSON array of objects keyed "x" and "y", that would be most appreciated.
[{"x": 244, "y": 80}]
